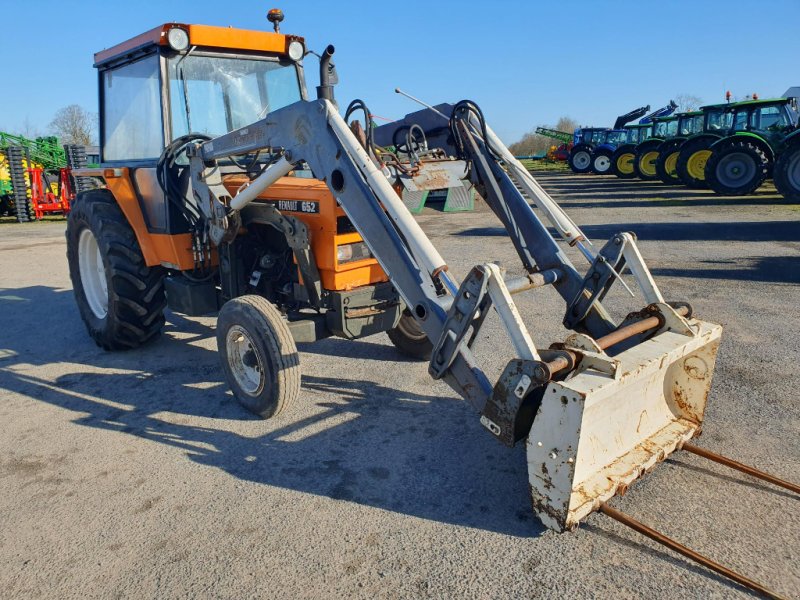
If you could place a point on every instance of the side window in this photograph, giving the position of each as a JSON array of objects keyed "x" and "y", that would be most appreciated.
[
  {"x": 767, "y": 118},
  {"x": 132, "y": 123},
  {"x": 740, "y": 121}
]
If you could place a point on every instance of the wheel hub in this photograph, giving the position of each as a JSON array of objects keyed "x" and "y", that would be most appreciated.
[
  {"x": 735, "y": 169},
  {"x": 602, "y": 163},
  {"x": 581, "y": 160},
  {"x": 625, "y": 164},
  {"x": 696, "y": 165},
  {"x": 647, "y": 163},
  {"x": 245, "y": 363},
  {"x": 93, "y": 274}
]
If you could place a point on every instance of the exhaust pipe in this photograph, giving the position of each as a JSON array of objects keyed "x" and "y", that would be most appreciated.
[{"x": 327, "y": 75}]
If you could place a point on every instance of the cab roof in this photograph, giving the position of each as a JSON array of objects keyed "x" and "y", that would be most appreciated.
[{"x": 226, "y": 38}]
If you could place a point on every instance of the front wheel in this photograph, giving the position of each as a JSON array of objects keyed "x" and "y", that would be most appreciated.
[
  {"x": 736, "y": 168},
  {"x": 787, "y": 173},
  {"x": 601, "y": 162},
  {"x": 258, "y": 355},
  {"x": 580, "y": 159},
  {"x": 667, "y": 162},
  {"x": 622, "y": 162},
  {"x": 409, "y": 338},
  {"x": 120, "y": 299},
  {"x": 645, "y": 162}
]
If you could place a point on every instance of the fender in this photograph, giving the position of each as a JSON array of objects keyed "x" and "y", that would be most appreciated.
[
  {"x": 608, "y": 147},
  {"x": 578, "y": 147},
  {"x": 751, "y": 137}
]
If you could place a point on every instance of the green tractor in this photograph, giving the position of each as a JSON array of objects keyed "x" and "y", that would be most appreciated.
[
  {"x": 695, "y": 150},
  {"x": 762, "y": 131},
  {"x": 646, "y": 153},
  {"x": 666, "y": 163},
  {"x": 624, "y": 155}
]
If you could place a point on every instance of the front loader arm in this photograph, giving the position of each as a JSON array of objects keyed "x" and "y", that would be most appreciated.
[{"x": 315, "y": 133}]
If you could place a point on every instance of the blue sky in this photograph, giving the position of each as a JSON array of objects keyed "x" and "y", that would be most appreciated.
[{"x": 525, "y": 63}]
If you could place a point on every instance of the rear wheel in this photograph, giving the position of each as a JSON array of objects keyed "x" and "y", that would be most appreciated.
[
  {"x": 736, "y": 168},
  {"x": 666, "y": 164},
  {"x": 580, "y": 159},
  {"x": 409, "y": 338},
  {"x": 787, "y": 173},
  {"x": 258, "y": 355},
  {"x": 622, "y": 162},
  {"x": 691, "y": 163},
  {"x": 601, "y": 162},
  {"x": 645, "y": 162},
  {"x": 120, "y": 299}
]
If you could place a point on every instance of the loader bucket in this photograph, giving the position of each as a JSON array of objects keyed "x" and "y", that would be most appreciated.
[{"x": 600, "y": 429}]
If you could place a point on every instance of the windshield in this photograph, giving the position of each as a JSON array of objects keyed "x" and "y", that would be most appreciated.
[
  {"x": 225, "y": 93},
  {"x": 616, "y": 137},
  {"x": 666, "y": 128},
  {"x": 599, "y": 136},
  {"x": 718, "y": 120}
]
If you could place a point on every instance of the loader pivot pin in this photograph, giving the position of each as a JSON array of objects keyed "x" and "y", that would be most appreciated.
[
  {"x": 728, "y": 462},
  {"x": 687, "y": 552}
]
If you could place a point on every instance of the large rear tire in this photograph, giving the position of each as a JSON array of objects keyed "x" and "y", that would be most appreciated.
[
  {"x": 409, "y": 338},
  {"x": 601, "y": 162},
  {"x": 258, "y": 355},
  {"x": 645, "y": 162},
  {"x": 120, "y": 299},
  {"x": 736, "y": 168},
  {"x": 580, "y": 159},
  {"x": 622, "y": 161},
  {"x": 666, "y": 164},
  {"x": 691, "y": 164},
  {"x": 787, "y": 173}
]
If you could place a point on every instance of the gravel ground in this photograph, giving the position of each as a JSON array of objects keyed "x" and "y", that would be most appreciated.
[{"x": 136, "y": 474}]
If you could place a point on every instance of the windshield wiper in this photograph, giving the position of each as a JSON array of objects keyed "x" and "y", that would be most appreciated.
[{"x": 185, "y": 85}]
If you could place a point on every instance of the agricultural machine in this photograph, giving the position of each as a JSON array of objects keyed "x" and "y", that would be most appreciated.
[
  {"x": 599, "y": 148},
  {"x": 584, "y": 141},
  {"x": 666, "y": 161},
  {"x": 762, "y": 132},
  {"x": 695, "y": 150},
  {"x": 623, "y": 156},
  {"x": 35, "y": 178},
  {"x": 285, "y": 220},
  {"x": 646, "y": 153},
  {"x": 560, "y": 152}
]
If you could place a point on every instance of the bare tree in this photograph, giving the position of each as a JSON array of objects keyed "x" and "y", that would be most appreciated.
[
  {"x": 74, "y": 125},
  {"x": 688, "y": 102}
]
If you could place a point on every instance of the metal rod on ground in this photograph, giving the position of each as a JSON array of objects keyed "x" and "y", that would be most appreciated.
[
  {"x": 687, "y": 552},
  {"x": 724, "y": 460}
]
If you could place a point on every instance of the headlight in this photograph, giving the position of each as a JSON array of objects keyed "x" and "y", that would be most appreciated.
[
  {"x": 352, "y": 252},
  {"x": 178, "y": 39},
  {"x": 296, "y": 50}
]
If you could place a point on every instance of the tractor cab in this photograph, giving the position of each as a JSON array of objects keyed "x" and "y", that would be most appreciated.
[
  {"x": 590, "y": 135},
  {"x": 689, "y": 123},
  {"x": 187, "y": 83},
  {"x": 636, "y": 134},
  {"x": 664, "y": 127}
]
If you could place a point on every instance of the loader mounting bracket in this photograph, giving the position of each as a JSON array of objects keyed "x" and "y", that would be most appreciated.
[
  {"x": 599, "y": 278},
  {"x": 512, "y": 407}
]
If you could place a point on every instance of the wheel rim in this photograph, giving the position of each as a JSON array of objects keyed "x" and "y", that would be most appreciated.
[
  {"x": 93, "y": 274},
  {"x": 736, "y": 169},
  {"x": 671, "y": 164},
  {"x": 625, "y": 163},
  {"x": 602, "y": 163},
  {"x": 696, "y": 165},
  {"x": 581, "y": 160},
  {"x": 647, "y": 164},
  {"x": 245, "y": 361},
  {"x": 793, "y": 172}
]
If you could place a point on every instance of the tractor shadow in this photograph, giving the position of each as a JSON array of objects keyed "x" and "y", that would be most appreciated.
[{"x": 367, "y": 442}]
